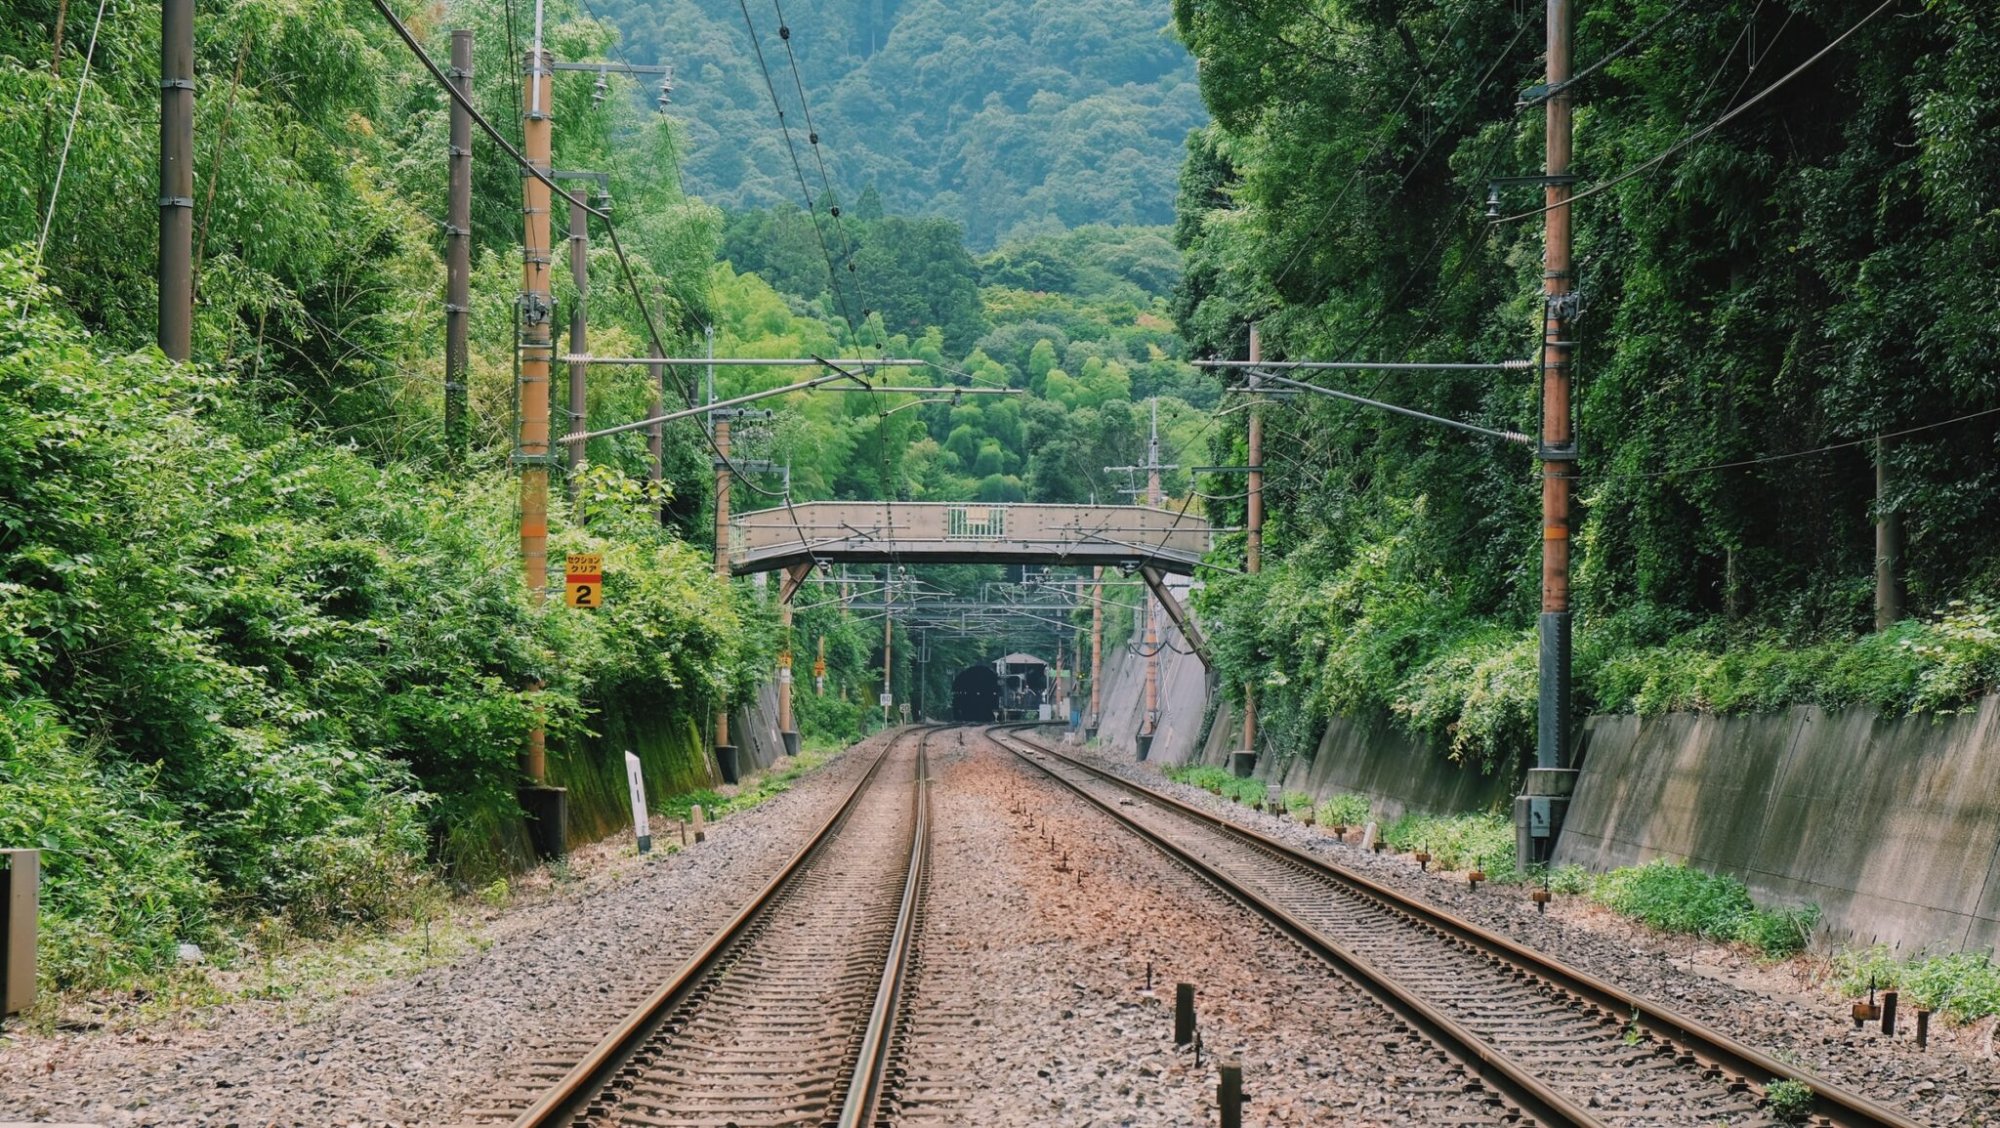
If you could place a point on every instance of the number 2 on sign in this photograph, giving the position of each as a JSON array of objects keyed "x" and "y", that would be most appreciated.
[{"x": 586, "y": 595}]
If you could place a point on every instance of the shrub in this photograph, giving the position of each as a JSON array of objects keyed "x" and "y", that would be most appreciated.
[
  {"x": 1676, "y": 898},
  {"x": 1345, "y": 809},
  {"x": 1963, "y": 986},
  {"x": 1457, "y": 841},
  {"x": 1297, "y": 802},
  {"x": 1213, "y": 780},
  {"x": 1789, "y": 1101}
]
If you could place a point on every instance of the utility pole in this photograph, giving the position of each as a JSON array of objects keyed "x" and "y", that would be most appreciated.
[
  {"x": 545, "y": 805},
  {"x": 1253, "y": 551},
  {"x": 656, "y": 438},
  {"x": 1096, "y": 653},
  {"x": 787, "y": 731},
  {"x": 1539, "y": 811},
  {"x": 1888, "y": 546},
  {"x": 725, "y": 752},
  {"x": 888, "y": 638},
  {"x": 1151, "y": 721},
  {"x": 176, "y": 315},
  {"x": 579, "y": 334},
  {"x": 458, "y": 254}
]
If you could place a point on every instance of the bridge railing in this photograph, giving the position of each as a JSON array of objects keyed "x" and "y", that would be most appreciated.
[{"x": 832, "y": 530}]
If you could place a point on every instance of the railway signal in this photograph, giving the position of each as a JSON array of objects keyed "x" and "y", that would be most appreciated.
[{"x": 583, "y": 580}]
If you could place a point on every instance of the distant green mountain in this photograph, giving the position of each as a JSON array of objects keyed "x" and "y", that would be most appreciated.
[{"x": 1000, "y": 114}]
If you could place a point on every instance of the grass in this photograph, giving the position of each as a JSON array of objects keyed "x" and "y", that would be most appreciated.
[
  {"x": 1677, "y": 898},
  {"x": 1345, "y": 809},
  {"x": 1789, "y": 1101},
  {"x": 1217, "y": 781},
  {"x": 1962, "y": 986},
  {"x": 1457, "y": 842}
]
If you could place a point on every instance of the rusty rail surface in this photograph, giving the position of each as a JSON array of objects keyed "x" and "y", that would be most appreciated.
[{"x": 1702, "y": 1045}]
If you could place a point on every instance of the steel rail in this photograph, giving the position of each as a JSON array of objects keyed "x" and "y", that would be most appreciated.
[
  {"x": 1512, "y": 1082},
  {"x": 569, "y": 1096},
  {"x": 1711, "y": 1046},
  {"x": 864, "y": 1091}
]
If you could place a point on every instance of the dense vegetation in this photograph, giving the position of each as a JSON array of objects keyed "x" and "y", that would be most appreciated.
[
  {"x": 1008, "y": 117},
  {"x": 1820, "y": 270}
]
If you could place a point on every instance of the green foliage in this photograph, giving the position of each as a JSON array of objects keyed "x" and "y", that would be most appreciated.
[
  {"x": 1789, "y": 1101},
  {"x": 1571, "y": 880},
  {"x": 1740, "y": 304},
  {"x": 1298, "y": 801},
  {"x": 1457, "y": 842},
  {"x": 1677, "y": 898},
  {"x": 1963, "y": 986},
  {"x": 1213, "y": 780},
  {"x": 1345, "y": 809},
  {"x": 1004, "y": 117}
]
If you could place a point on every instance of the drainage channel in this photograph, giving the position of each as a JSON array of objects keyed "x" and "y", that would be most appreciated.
[
  {"x": 1562, "y": 1046},
  {"x": 786, "y": 1015}
]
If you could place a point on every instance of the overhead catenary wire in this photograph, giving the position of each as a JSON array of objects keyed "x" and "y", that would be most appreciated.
[
  {"x": 69, "y": 134},
  {"x": 1711, "y": 127}
]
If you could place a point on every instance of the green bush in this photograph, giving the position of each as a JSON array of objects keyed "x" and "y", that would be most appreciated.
[
  {"x": 1215, "y": 781},
  {"x": 1457, "y": 842},
  {"x": 1963, "y": 986},
  {"x": 123, "y": 883},
  {"x": 1297, "y": 802},
  {"x": 1789, "y": 1101},
  {"x": 1345, "y": 809},
  {"x": 1676, "y": 898}
]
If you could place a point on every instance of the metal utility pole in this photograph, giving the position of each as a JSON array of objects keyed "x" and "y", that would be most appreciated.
[
  {"x": 579, "y": 333},
  {"x": 1096, "y": 653},
  {"x": 1152, "y": 718},
  {"x": 725, "y": 752},
  {"x": 787, "y": 732},
  {"x": 537, "y": 344},
  {"x": 888, "y": 638},
  {"x": 545, "y": 805},
  {"x": 656, "y": 437},
  {"x": 1539, "y": 811},
  {"x": 458, "y": 254},
  {"x": 1253, "y": 551},
  {"x": 176, "y": 316}
]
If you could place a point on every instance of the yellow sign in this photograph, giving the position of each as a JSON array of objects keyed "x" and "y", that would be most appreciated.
[
  {"x": 785, "y": 659},
  {"x": 584, "y": 573},
  {"x": 819, "y": 668}
]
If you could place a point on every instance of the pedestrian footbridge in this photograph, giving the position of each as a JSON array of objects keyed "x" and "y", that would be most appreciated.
[{"x": 796, "y": 537}]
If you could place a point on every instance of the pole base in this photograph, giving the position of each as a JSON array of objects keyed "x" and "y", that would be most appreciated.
[
  {"x": 547, "y": 810},
  {"x": 1145, "y": 744},
  {"x": 791, "y": 740},
  {"x": 1539, "y": 811},
  {"x": 726, "y": 764},
  {"x": 1242, "y": 764}
]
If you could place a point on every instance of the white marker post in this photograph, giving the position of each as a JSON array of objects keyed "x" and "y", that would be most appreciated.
[{"x": 637, "y": 784}]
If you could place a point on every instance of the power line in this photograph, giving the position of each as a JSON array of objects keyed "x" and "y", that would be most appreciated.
[
  {"x": 1711, "y": 127},
  {"x": 798, "y": 169},
  {"x": 1790, "y": 455},
  {"x": 1543, "y": 93},
  {"x": 69, "y": 134}
]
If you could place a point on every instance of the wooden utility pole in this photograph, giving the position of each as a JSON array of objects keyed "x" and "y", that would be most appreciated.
[
  {"x": 176, "y": 263},
  {"x": 458, "y": 254},
  {"x": 1888, "y": 546},
  {"x": 579, "y": 335},
  {"x": 1540, "y": 810},
  {"x": 1253, "y": 547}
]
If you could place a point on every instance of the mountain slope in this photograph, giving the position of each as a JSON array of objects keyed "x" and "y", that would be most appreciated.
[{"x": 1001, "y": 115}]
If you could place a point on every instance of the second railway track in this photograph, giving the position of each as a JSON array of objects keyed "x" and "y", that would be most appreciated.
[
  {"x": 785, "y": 1016},
  {"x": 1563, "y": 1047}
]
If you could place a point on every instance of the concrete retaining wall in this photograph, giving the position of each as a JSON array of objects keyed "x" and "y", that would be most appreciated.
[
  {"x": 1891, "y": 825},
  {"x": 1399, "y": 772},
  {"x": 1183, "y": 699}
]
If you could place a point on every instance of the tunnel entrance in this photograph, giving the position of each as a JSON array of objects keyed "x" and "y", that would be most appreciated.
[{"x": 975, "y": 695}]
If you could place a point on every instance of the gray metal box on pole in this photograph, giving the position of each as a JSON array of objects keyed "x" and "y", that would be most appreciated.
[{"x": 20, "y": 908}]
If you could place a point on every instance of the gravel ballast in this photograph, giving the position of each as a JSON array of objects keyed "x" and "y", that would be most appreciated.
[{"x": 414, "y": 1050}]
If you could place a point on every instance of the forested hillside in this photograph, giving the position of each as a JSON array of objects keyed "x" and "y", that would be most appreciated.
[
  {"x": 1761, "y": 301},
  {"x": 1008, "y": 116}
]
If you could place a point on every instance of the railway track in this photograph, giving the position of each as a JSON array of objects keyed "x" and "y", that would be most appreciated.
[
  {"x": 1563, "y": 1047},
  {"x": 787, "y": 1015}
]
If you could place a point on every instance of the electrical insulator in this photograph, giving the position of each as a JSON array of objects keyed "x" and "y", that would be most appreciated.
[{"x": 601, "y": 91}]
